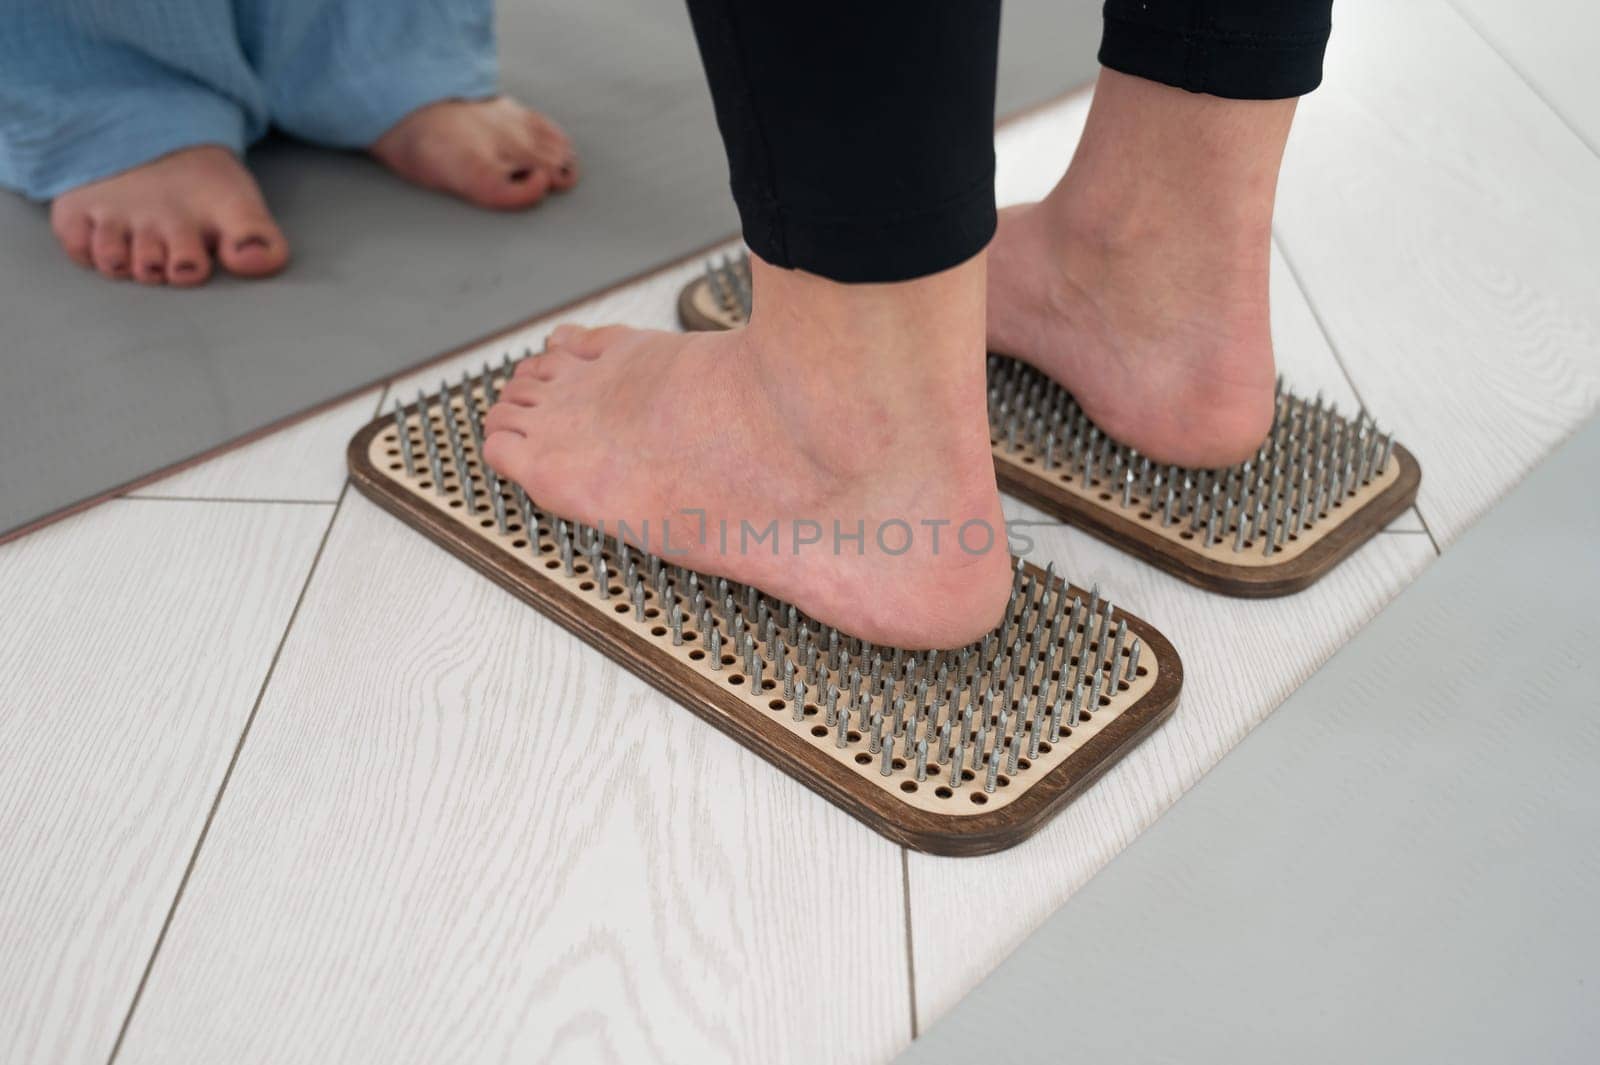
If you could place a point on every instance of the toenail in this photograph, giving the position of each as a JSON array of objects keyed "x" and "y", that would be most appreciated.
[
  {"x": 521, "y": 174},
  {"x": 186, "y": 267},
  {"x": 566, "y": 169},
  {"x": 252, "y": 241}
]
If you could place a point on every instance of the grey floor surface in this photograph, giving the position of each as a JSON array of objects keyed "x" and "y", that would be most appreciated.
[
  {"x": 103, "y": 383},
  {"x": 1401, "y": 864}
]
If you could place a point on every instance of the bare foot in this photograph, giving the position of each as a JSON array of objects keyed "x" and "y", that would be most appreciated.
[
  {"x": 859, "y": 405},
  {"x": 161, "y": 223},
  {"x": 494, "y": 153},
  {"x": 1140, "y": 282}
]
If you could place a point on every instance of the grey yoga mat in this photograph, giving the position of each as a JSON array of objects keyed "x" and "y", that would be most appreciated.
[
  {"x": 1400, "y": 864},
  {"x": 102, "y": 384}
]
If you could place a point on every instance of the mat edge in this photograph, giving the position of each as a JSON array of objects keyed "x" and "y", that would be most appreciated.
[{"x": 969, "y": 835}]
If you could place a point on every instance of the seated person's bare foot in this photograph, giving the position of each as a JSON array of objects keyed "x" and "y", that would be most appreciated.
[
  {"x": 1140, "y": 282},
  {"x": 861, "y": 405},
  {"x": 494, "y": 153},
  {"x": 162, "y": 223}
]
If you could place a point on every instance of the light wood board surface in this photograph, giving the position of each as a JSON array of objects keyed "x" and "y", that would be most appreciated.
[
  {"x": 303, "y": 462},
  {"x": 137, "y": 638},
  {"x": 1447, "y": 223},
  {"x": 416, "y": 860},
  {"x": 1551, "y": 43},
  {"x": 1237, "y": 668},
  {"x": 430, "y": 855}
]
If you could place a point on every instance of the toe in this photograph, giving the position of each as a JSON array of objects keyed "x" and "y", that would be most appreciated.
[
  {"x": 566, "y": 174},
  {"x": 522, "y": 391},
  {"x": 149, "y": 256},
  {"x": 533, "y": 368},
  {"x": 509, "y": 181},
  {"x": 588, "y": 343},
  {"x": 249, "y": 242},
  {"x": 563, "y": 335},
  {"x": 554, "y": 151},
  {"x": 507, "y": 418},
  {"x": 188, "y": 262},
  {"x": 508, "y": 454},
  {"x": 74, "y": 229},
  {"x": 109, "y": 247}
]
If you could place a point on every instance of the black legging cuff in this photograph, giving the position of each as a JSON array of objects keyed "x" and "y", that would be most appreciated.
[
  {"x": 860, "y": 136},
  {"x": 1270, "y": 54},
  {"x": 874, "y": 248}
]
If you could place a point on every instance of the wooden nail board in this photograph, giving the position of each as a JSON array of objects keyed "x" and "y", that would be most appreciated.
[
  {"x": 1296, "y": 528},
  {"x": 424, "y": 466}
]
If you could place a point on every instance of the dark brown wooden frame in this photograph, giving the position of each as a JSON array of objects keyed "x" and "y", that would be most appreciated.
[
  {"x": 966, "y": 834},
  {"x": 691, "y": 316},
  {"x": 1260, "y": 581}
]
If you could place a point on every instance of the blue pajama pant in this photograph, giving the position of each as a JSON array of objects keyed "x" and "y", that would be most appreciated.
[{"x": 90, "y": 88}]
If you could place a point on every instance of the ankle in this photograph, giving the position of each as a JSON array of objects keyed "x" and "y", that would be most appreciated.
[
  {"x": 892, "y": 368},
  {"x": 1158, "y": 162}
]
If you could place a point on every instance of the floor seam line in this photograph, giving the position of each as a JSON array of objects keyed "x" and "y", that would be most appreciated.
[
  {"x": 232, "y": 499},
  {"x": 911, "y": 959},
  {"x": 1550, "y": 106},
  {"x": 227, "y": 776},
  {"x": 1333, "y": 349}
]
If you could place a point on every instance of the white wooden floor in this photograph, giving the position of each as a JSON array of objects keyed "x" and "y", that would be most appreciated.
[{"x": 283, "y": 782}]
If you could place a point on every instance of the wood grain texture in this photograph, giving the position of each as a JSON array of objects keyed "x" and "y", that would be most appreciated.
[
  {"x": 302, "y": 462},
  {"x": 1550, "y": 43},
  {"x": 958, "y": 829},
  {"x": 1242, "y": 658},
  {"x": 1445, "y": 222},
  {"x": 423, "y": 858},
  {"x": 132, "y": 647}
]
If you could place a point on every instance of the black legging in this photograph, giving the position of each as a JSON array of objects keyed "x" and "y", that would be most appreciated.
[{"x": 860, "y": 133}]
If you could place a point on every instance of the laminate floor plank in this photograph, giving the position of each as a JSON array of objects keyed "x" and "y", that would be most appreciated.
[
  {"x": 303, "y": 462},
  {"x": 1241, "y": 659},
  {"x": 134, "y": 642},
  {"x": 458, "y": 833},
  {"x": 1551, "y": 45},
  {"x": 1444, "y": 221}
]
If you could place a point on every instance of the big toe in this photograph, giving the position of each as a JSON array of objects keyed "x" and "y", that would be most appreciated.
[
  {"x": 507, "y": 180},
  {"x": 249, "y": 242}
]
